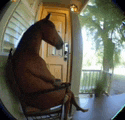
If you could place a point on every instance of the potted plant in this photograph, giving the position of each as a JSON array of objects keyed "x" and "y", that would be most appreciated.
[{"x": 100, "y": 85}]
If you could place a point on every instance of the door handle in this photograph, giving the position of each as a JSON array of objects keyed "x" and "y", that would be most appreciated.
[{"x": 66, "y": 51}]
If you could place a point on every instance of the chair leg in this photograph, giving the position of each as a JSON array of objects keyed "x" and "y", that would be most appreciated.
[
  {"x": 70, "y": 110},
  {"x": 27, "y": 118}
]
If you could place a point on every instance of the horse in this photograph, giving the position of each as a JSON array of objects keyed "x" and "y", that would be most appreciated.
[{"x": 30, "y": 70}]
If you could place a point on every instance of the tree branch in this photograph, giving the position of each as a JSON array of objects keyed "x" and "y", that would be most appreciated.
[{"x": 95, "y": 24}]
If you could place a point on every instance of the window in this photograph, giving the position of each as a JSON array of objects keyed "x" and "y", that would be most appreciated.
[{"x": 18, "y": 23}]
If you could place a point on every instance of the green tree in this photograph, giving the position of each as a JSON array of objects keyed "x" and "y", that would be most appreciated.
[{"x": 104, "y": 19}]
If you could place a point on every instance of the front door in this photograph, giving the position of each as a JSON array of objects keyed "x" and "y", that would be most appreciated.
[{"x": 57, "y": 60}]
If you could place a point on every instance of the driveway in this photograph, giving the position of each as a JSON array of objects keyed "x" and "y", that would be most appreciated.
[{"x": 118, "y": 85}]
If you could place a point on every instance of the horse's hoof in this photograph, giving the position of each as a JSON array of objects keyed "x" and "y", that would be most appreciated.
[
  {"x": 70, "y": 118},
  {"x": 83, "y": 110}
]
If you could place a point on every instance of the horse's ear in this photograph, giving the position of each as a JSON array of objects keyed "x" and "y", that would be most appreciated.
[{"x": 48, "y": 16}]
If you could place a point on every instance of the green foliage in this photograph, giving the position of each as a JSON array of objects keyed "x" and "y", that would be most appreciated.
[
  {"x": 99, "y": 55},
  {"x": 101, "y": 85},
  {"x": 103, "y": 20},
  {"x": 116, "y": 57}
]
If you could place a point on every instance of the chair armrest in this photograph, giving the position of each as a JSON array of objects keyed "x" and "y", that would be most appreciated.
[{"x": 63, "y": 86}]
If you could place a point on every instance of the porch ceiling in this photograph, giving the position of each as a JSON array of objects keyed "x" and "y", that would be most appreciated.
[{"x": 66, "y": 3}]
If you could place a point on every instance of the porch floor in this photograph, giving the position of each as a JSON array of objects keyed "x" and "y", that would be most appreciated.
[{"x": 102, "y": 108}]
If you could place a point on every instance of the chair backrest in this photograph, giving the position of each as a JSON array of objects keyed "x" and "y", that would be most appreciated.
[
  {"x": 10, "y": 78},
  {"x": 9, "y": 74},
  {"x": 9, "y": 100}
]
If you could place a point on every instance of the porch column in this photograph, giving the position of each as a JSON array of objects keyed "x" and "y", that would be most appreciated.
[{"x": 77, "y": 53}]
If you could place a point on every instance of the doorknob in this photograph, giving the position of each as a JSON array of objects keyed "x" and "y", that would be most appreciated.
[{"x": 66, "y": 50}]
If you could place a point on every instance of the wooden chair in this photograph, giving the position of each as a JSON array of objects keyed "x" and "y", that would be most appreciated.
[{"x": 52, "y": 113}]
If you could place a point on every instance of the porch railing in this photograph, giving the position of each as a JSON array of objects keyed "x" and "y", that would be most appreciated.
[{"x": 89, "y": 79}]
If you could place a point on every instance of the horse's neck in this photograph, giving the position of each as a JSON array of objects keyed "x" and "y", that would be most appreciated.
[
  {"x": 35, "y": 42},
  {"x": 30, "y": 41}
]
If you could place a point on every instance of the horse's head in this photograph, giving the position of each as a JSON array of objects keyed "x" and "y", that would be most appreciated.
[{"x": 49, "y": 33}]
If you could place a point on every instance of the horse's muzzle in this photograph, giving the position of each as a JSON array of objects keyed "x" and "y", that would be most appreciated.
[{"x": 59, "y": 46}]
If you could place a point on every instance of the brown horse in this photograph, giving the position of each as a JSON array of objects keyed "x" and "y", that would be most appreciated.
[{"x": 30, "y": 69}]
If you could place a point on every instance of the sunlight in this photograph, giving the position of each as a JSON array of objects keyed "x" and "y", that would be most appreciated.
[
  {"x": 89, "y": 54},
  {"x": 86, "y": 44}
]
